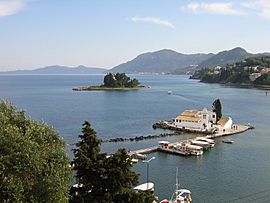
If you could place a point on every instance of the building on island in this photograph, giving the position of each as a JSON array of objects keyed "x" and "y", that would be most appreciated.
[{"x": 204, "y": 120}]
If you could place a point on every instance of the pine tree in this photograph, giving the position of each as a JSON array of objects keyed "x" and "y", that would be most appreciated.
[
  {"x": 88, "y": 165},
  {"x": 103, "y": 178}
]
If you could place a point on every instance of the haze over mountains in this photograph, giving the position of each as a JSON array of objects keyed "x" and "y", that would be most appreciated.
[
  {"x": 162, "y": 61},
  {"x": 58, "y": 70}
]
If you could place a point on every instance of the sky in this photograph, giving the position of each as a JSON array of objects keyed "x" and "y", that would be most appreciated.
[{"x": 106, "y": 33}]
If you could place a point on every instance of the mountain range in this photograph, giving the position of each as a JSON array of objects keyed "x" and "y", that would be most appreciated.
[
  {"x": 163, "y": 61},
  {"x": 58, "y": 70}
]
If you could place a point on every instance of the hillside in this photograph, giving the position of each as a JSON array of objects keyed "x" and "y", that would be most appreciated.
[
  {"x": 225, "y": 57},
  {"x": 58, "y": 70},
  {"x": 251, "y": 71},
  {"x": 163, "y": 61}
]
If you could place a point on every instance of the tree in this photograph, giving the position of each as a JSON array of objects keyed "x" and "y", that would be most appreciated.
[
  {"x": 119, "y": 80},
  {"x": 217, "y": 109},
  {"x": 110, "y": 81},
  {"x": 33, "y": 164},
  {"x": 88, "y": 165},
  {"x": 101, "y": 177}
]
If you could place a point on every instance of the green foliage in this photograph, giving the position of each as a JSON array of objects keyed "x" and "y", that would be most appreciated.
[
  {"x": 237, "y": 73},
  {"x": 264, "y": 79},
  {"x": 103, "y": 178},
  {"x": 119, "y": 80},
  {"x": 33, "y": 163},
  {"x": 217, "y": 108}
]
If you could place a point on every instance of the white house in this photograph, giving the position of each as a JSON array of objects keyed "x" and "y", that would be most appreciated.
[
  {"x": 195, "y": 119},
  {"x": 204, "y": 120},
  {"x": 224, "y": 124}
]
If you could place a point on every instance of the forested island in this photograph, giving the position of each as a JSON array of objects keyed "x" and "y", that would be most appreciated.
[
  {"x": 118, "y": 81},
  {"x": 252, "y": 71}
]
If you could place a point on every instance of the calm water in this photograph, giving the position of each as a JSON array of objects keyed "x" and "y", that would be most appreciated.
[{"x": 228, "y": 173}]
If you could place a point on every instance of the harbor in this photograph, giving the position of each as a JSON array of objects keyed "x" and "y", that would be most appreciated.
[{"x": 189, "y": 147}]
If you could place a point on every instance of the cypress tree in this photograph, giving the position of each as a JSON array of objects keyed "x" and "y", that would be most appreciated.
[{"x": 217, "y": 108}]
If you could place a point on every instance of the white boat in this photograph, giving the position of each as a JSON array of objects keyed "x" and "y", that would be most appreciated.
[
  {"x": 134, "y": 160},
  {"x": 169, "y": 92},
  {"x": 210, "y": 141},
  {"x": 195, "y": 150},
  {"x": 145, "y": 187},
  {"x": 203, "y": 144},
  {"x": 140, "y": 156},
  {"x": 180, "y": 195}
]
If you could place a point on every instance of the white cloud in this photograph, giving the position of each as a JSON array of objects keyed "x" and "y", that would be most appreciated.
[
  {"x": 261, "y": 7},
  {"x": 265, "y": 13},
  {"x": 10, "y": 7},
  {"x": 214, "y": 8},
  {"x": 152, "y": 20}
]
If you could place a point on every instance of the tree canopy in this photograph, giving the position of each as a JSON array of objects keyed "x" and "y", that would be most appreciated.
[
  {"x": 33, "y": 164},
  {"x": 217, "y": 108},
  {"x": 119, "y": 80},
  {"x": 236, "y": 73},
  {"x": 101, "y": 177}
]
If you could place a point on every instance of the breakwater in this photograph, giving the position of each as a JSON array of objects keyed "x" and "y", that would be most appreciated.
[{"x": 142, "y": 137}]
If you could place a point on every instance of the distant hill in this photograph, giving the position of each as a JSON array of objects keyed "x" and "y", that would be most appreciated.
[
  {"x": 225, "y": 57},
  {"x": 58, "y": 70},
  {"x": 163, "y": 61}
]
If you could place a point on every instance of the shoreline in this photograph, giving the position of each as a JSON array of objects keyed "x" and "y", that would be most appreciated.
[
  {"x": 238, "y": 85},
  {"x": 100, "y": 88}
]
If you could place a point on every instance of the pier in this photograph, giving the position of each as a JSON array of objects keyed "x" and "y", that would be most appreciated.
[{"x": 236, "y": 129}]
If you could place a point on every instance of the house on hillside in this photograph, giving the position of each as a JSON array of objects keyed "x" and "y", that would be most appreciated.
[
  {"x": 254, "y": 76},
  {"x": 204, "y": 120}
]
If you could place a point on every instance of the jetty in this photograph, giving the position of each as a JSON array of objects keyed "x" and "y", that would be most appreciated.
[{"x": 171, "y": 147}]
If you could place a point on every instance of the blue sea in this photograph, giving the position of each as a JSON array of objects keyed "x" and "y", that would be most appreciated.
[{"x": 228, "y": 173}]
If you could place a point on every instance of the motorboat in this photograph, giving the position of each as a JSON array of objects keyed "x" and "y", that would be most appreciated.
[
  {"x": 228, "y": 141},
  {"x": 134, "y": 160},
  {"x": 180, "y": 195},
  {"x": 195, "y": 150},
  {"x": 203, "y": 144},
  {"x": 163, "y": 144},
  {"x": 204, "y": 139},
  {"x": 148, "y": 186}
]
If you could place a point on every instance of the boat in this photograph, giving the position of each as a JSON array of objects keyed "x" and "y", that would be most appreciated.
[
  {"x": 179, "y": 148},
  {"x": 163, "y": 144},
  {"x": 134, "y": 160},
  {"x": 204, "y": 139},
  {"x": 169, "y": 92},
  {"x": 228, "y": 141},
  {"x": 180, "y": 195},
  {"x": 204, "y": 145},
  {"x": 195, "y": 150},
  {"x": 140, "y": 156},
  {"x": 149, "y": 186}
]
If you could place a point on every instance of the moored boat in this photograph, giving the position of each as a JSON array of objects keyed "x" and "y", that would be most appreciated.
[
  {"x": 204, "y": 139},
  {"x": 204, "y": 145},
  {"x": 195, "y": 150},
  {"x": 180, "y": 195},
  {"x": 228, "y": 141}
]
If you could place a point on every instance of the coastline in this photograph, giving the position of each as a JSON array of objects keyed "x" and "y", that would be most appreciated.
[
  {"x": 101, "y": 88},
  {"x": 238, "y": 85}
]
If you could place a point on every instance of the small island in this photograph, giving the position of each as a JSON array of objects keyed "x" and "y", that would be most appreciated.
[{"x": 118, "y": 81}]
